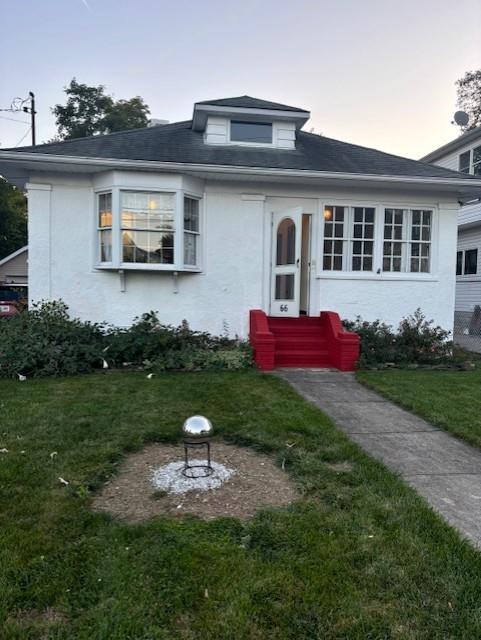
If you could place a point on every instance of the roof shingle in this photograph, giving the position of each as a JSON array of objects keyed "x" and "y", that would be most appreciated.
[{"x": 178, "y": 143}]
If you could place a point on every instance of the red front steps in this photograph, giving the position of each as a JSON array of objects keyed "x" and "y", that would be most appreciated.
[{"x": 302, "y": 342}]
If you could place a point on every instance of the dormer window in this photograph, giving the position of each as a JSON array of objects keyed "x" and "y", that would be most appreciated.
[{"x": 251, "y": 132}]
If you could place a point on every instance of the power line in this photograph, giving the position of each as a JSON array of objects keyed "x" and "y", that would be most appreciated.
[
  {"x": 15, "y": 120},
  {"x": 24, "y": 136}
]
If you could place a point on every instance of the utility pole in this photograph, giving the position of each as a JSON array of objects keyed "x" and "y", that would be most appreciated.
[{"x": 32, "y": 112}]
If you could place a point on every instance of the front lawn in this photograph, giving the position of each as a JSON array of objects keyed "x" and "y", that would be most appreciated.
[
  {"x": 448, "y": 399},
  {"x": 358, "y": 556}
]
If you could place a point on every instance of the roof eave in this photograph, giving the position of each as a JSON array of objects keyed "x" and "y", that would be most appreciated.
[
  {"x": 201, "y": 111},
  {"x": 47, "y": 162}
]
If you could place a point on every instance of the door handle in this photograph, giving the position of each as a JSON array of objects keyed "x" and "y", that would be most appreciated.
[{"x": 297, "y": 263}]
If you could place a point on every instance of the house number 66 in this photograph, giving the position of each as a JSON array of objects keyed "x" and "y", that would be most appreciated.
[{"x": 284, "y": 307}]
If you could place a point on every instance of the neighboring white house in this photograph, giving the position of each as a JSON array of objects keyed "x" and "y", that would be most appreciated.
[
  {"x": 235, "y": 210},
  {"x": 464, "y": 154},
  {"x": 13, "y": 269}
]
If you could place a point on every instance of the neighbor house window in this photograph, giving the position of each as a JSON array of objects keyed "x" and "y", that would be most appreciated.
[
  {"x": 348, "y": 238},
  {"x": 407, "y": 240},
  {"x": 467, "y": 262},
  {"x": 465, "y": 162},
  {"x": 147, "y": 227},
  {"x": 191, "y": 231},
  {"x": 470, "y": 161},
  {"x": 477, "y": 161},
  {"x": 104, "y": 226},
  {"x": 459, "y": 263},
  {"x": 256, "y": 132}
]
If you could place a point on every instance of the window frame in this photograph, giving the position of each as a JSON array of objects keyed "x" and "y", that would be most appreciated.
[
  {"x": 250, "y": 144},
  {"x": 472, "y": 164},
  {"x": 100, "y": 228},
  {"x": 463, "y": 275},
  {"x": 117, "y": 263},
  {"x": 377, "y": 273}
]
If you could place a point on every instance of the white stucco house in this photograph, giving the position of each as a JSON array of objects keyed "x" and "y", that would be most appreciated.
[
  {"x": 464, "y": 154},
  {"x": 240, "y": 214}
]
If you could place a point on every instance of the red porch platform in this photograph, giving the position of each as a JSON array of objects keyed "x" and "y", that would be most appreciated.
[{"x": 302, "y": 342}]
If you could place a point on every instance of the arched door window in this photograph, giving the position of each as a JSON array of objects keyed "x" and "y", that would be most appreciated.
[{"x": 286, "y": 242}]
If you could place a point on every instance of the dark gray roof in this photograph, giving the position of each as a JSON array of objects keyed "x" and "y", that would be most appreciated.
[
  {"x": 247, "y": 102},
  {"x": 177, "y": 142}
]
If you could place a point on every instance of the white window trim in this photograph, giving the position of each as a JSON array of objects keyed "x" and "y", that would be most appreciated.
[
  {"x": 117, "y": 264},
  {"x": 377, "y": 273},
  {"x": 463, "y": 277}
]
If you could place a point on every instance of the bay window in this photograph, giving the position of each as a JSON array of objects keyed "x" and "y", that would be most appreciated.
[{"x": 148, "y": 230}]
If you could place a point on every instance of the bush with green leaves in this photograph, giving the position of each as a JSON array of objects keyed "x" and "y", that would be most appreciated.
[
  {"x": 45, "y": 341},
  {"x": 416, "y": 341}
]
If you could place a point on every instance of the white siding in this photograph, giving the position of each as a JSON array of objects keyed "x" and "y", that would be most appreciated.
[
  {"x": 217, "y": 131},
  {"x": 15, "y": 269},
  {"x": 468, "y": 288}
]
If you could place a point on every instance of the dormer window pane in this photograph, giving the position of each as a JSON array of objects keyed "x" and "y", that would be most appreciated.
[{"x": 255, "y": 132}]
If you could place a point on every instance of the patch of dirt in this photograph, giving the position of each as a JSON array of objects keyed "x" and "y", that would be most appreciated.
[
  {"x": 257, "y": 482},
  {"x": 42, "y": 620}
]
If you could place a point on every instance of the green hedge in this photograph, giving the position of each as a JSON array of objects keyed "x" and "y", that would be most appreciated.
[{"x": 45, "y": 341}]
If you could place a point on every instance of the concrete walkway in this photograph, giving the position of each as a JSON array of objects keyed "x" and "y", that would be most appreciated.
[{"x": 443, "y": 469}]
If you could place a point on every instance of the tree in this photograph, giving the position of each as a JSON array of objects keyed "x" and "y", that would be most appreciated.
[
  {"x": 469, "y": 98},
  {"x": 13, "y": 218},
  {"x": 90, "y": 111}
]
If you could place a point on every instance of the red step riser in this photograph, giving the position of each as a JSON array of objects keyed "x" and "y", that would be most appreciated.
[
  {"x": 314, "y": 363},
  {"x": 304, "y": 344}
]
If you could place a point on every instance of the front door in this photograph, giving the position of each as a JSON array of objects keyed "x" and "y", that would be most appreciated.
[{"x": 286, "y": 258}]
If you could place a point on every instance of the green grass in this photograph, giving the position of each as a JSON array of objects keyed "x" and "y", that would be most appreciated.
[
  {"x": 448, "y": 399},
  {"x": 359, "y": 555}
]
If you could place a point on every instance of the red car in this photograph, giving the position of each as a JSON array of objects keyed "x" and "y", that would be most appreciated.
[{"x": 8, "y": 308}]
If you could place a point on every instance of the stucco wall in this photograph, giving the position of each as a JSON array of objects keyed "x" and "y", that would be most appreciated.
[{"x": 236, "y": 260}]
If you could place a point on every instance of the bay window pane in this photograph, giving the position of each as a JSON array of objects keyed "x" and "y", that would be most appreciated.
[
  {"x": 105, "y": 210},
  {"x": 106, "y": 245},
  {"x": 191, "y": 214},
  {"x": 147, "y": 247},
  {"x": 190, "y": 249}
]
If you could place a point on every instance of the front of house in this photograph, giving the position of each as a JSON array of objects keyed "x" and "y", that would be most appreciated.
[{"x": 238, "y": 210}]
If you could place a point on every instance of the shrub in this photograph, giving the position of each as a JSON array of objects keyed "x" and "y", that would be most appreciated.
[
  {"x": 416, "y": 341},
  {"x": 45, "y": 341}
]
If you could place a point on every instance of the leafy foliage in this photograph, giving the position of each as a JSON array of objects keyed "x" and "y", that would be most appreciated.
[
  {"x": 13, "y": 218},
  {"x": 45, "y": 341},
  {"x": 469, "y": 97},
  {"x": 90, "y": 111},
  {"x": 416, "y": 341}
]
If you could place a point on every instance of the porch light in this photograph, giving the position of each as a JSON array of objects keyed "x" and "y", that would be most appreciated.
[
  {"x": 197, "y": 431},
  {"x": 327, "y": 214}
]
